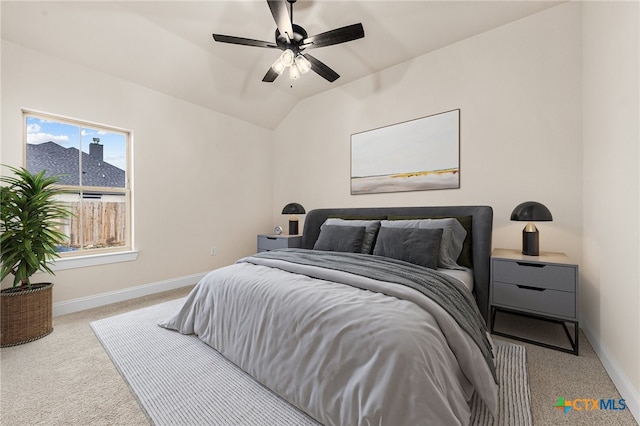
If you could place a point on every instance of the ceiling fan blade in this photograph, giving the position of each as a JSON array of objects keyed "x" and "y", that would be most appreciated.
[
  {"x": 322, "y": 69},
  {"x": 281, "y": 16},
  {"x": 339, "y": 35},
  {"x": 244, "y": 41},
  {"x": 270, "y": 76}
]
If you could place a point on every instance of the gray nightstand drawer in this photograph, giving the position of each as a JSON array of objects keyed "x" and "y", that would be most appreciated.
[
  {"x": 546, "y": 302},
  {"x": 555, "y": 277},
  {"x": 274, "y": 242},
  {"x": 271, "y": 243}
]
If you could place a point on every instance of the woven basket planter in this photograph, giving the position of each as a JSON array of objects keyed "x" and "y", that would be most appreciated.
[{"x": 25, "y": 315}]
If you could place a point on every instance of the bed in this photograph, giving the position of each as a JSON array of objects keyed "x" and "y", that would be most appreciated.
[{"x": 379, "y": 318}]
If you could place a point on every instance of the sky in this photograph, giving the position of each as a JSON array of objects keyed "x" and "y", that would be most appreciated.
[
  {"x": 40, "y": 130},
  {"x": 424, "y": 144}
]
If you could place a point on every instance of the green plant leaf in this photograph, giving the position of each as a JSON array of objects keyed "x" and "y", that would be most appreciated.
[{"x": 29, "y": 215}]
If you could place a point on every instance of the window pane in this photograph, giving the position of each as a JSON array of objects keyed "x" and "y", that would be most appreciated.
[
  {"x": 104, "y": 219},
  {"x": 104, "y": 158},
  {"x": 99, "y": 221},
  {"x": 53, "y": 147}
]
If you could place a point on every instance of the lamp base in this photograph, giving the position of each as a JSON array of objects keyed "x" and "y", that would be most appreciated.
[
  {"x": 530, "y": 240},
  {"x": 293, "y": 227}
]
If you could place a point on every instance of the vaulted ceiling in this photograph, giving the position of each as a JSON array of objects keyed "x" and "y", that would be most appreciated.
[{"x": 168, "y": 46}]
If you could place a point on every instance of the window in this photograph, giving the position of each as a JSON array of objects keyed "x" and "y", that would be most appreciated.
[{"x": 94, "y": 162}]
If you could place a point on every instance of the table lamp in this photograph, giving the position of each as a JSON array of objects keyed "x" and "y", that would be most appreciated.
[
  {"x": 531, "y": 211},
  {"x": 293, "y": 209}
]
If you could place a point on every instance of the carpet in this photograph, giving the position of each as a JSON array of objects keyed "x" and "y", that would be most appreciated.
[{"x": 171, "y": 375}]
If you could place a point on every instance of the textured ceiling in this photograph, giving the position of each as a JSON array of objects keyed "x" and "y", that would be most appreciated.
[{"x": 167, "y": 45}]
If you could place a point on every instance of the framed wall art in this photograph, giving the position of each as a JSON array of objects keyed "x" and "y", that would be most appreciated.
[{"x": 416, "y": 155}]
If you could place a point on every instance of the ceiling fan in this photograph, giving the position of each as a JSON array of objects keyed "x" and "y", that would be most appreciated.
[{"x": 293, "y": 40}]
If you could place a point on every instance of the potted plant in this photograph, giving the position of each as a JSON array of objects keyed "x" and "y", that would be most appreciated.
[{"x": 29, "y": 236}]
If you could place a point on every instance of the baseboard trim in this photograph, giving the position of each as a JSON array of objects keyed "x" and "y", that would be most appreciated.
[
  {"x": 618, "y": 376},
  {"x": 89, "y": 302}
]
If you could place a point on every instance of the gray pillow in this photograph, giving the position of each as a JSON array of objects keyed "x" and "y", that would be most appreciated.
[
  {"x": 340, "y": 238},
  {"x": 414, "y": 245},
  {"x": 371, "y": 230},
  {"x": 453, "y": 237},
  {"x": 466, "y": 257}
]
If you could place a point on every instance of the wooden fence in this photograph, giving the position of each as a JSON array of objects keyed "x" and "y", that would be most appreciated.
[{"x": 103, "y": 224}]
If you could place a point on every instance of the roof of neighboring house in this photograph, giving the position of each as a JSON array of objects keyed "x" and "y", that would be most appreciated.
[{"x": 58, "y": 160}]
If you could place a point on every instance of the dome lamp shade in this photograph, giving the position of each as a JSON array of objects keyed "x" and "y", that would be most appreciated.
[
  {"x": 293, "y": 209},
  {"x": 531, "y": 211}
]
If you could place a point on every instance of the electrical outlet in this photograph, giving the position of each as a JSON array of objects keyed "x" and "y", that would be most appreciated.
[{"x": 214, "y": 251}]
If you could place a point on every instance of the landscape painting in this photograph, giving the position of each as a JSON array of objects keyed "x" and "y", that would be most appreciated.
[{"x": 416, "y": 155}]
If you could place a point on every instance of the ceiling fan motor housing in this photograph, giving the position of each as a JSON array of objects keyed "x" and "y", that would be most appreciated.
[{"x": 299, "y": 34}]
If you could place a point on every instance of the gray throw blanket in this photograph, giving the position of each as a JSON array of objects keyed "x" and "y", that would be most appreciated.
[{"x": 451, "y": 295}]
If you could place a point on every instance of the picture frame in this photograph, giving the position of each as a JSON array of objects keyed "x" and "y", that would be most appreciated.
[{"x": 416, "y": 155}]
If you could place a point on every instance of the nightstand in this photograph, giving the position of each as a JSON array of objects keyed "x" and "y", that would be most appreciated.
[
  {"x": 273, "y": 242},
  {"x": 543, "y": 287}
]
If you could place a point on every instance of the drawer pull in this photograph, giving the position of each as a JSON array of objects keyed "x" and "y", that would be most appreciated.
[
  {"x": 526, "y": 287},
  {"x": 533, "y": 265},
  {"x": 271, "y": 238}
]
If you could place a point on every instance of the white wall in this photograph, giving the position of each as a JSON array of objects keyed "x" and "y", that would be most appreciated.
[
  {"x": 611, "y": 113},
  {"x": 201, "y": 178},
  {"x": 519, "y": 91}
]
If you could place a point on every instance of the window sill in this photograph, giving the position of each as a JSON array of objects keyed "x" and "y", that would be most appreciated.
[{"x": 63, "y": 263}]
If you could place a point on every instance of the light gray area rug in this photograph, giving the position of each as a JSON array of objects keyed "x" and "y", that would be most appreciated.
[{"x": 179, "y": 380}]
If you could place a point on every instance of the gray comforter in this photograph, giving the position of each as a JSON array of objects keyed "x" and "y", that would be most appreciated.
[{"x": 386, "y": 356}]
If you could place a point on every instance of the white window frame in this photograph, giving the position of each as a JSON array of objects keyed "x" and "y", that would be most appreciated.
[{"x": 100, "y": 256}]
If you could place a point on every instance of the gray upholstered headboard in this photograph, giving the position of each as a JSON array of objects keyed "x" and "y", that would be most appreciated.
[{"x": 481, "y": 228}]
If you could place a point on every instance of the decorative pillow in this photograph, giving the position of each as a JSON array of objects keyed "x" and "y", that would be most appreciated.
[
  {"x": 465, "y": 258},
  {"x": 453, "y": 237},
  {"x": 371, "y": 230},
  {"x": 340, "y": 238},
  {"x": 414, "y": 245}
]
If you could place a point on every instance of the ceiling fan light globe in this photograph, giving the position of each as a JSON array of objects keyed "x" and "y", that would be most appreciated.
[
  {"x": 303, "y": 64},
  {"x": 294, "y": 73},
  {"x": 278, "y": 66},
  {"x": 287, "y": 58}
]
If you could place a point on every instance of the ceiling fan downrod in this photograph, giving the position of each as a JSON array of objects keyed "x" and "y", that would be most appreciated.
[{"x": 291, "y": 2}]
